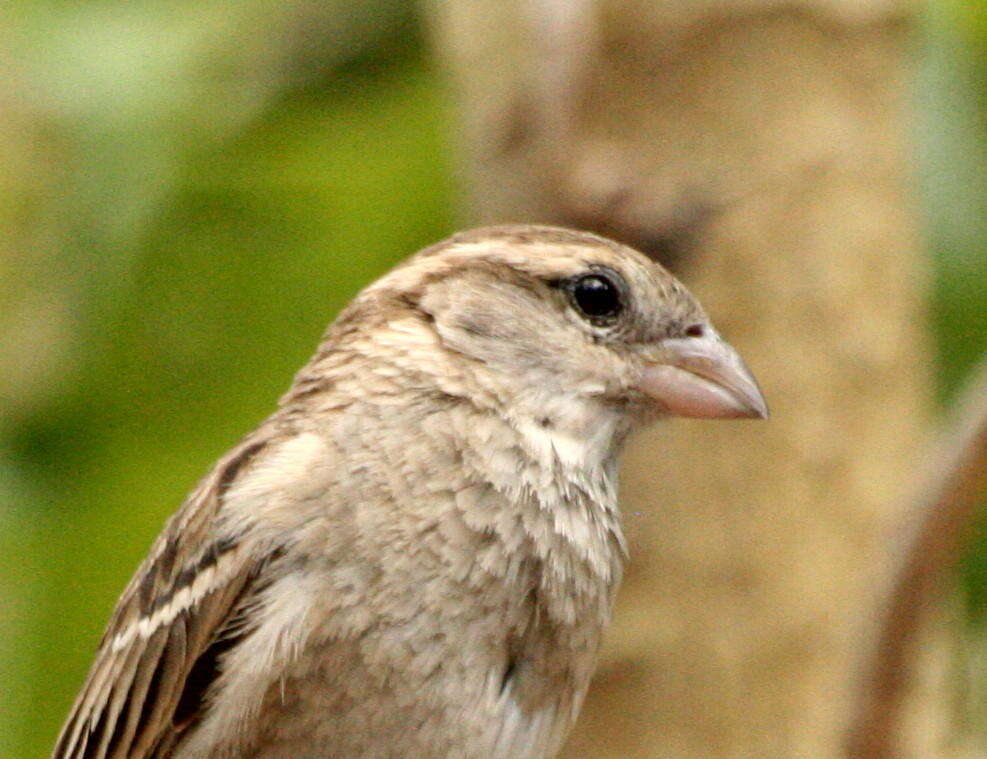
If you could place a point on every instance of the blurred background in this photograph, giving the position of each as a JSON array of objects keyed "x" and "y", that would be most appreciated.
[{"x": 189, "y": 193}]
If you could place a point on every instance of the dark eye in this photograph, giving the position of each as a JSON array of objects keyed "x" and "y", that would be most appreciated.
[{"x": 596, "y": 297}]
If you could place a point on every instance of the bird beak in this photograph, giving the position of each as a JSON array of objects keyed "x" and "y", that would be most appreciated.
[{"x": 703, "y": 378}]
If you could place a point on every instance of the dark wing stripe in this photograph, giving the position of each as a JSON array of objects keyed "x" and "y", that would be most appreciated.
[
  {"x": 86, "y": 736},
  {"x": 125, "y": 709},
  {"x": 69, "y": 729},
  {"x": 233, "y": 466},
  {"x": 206, "y": 668},
  {"x": 99, "y": 741},
  {"x": 154, "y": 664},
  {"x": 209, "y": 558},
  {"x": 147, "y": 668},
  {"x": 202, "y": 675},
  {"x": 144, "y": 689},
  {"x": 118, "y": 737},
  {"x": 123, "y": 733},
  {"x": 100, "y": 694},
  {"x": 124, "y": 698},
  {"x": 170, "y": 672},
  {"x": 114, "y": 703},
  {"x": 163, "y": 747},
  {"x": 89, "y": 737}
]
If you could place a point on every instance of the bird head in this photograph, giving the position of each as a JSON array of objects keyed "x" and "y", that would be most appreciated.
[{"x": 557, "y": 325}]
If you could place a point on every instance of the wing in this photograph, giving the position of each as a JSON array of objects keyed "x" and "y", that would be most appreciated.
[{"x": 183, "y": 608}]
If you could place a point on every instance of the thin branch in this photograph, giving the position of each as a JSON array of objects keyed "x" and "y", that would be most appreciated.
[{"x": 943, "y": 512}]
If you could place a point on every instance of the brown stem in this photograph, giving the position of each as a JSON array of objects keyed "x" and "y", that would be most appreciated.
[{"x": 943, "y": 510}]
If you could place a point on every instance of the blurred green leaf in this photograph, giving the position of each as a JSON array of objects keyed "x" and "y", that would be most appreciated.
[{"x": 257, "y": 238}]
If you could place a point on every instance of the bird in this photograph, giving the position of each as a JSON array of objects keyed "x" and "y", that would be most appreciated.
[{"x": 416, "y": 554}]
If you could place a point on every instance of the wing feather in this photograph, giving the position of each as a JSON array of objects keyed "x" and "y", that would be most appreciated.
[
  {"x": 181, "y": 601},
  {"x": 124, "y": 694},
  {"x": 126, "y": 723}
]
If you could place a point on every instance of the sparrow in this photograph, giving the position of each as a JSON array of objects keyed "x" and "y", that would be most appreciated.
[{"x": 416, "y": 554}]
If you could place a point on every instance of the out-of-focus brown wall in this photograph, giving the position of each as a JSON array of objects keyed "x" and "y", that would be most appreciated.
[{"x": 758, "y": 148}]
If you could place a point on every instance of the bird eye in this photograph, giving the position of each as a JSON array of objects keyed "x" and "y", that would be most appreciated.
[{"x": 596, "y": 297}]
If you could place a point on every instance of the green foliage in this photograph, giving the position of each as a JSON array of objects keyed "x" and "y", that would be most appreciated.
[
  {"x": 952, "y": 138},
  {"x": 190, "y": 318},
  {"x": 953, "y": 169}
]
